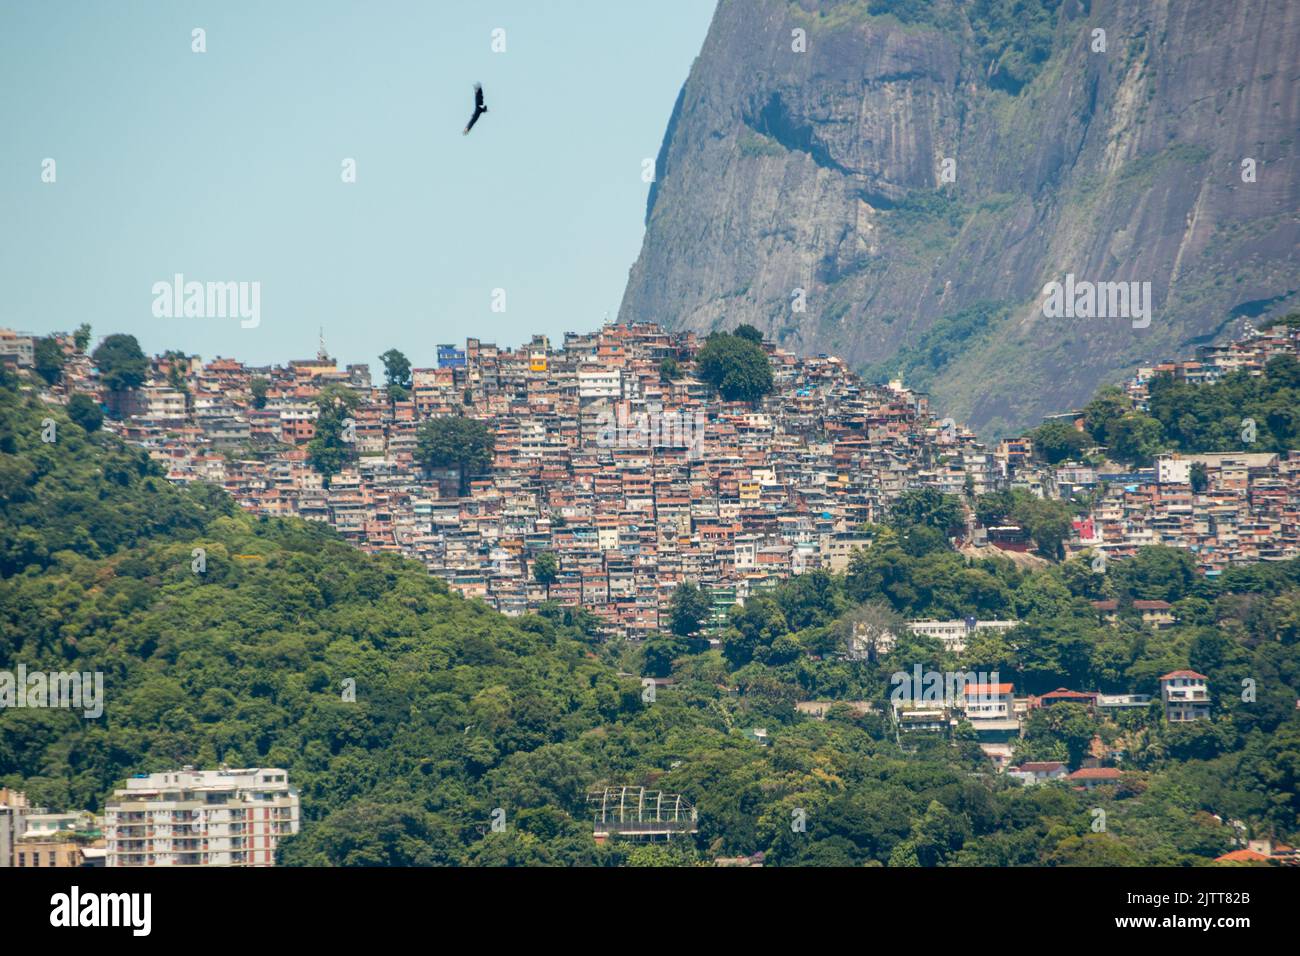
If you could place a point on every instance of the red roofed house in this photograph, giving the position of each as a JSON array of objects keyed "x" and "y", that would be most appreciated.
[
  {"x": 1186, "y": 696},
  {"x": 1155, "y": 614},
  {"x": 1089, "y": 777},
  {"x": 990, "y": 708},
  {"x": 1241, "y": 856},
  {"x": 1107, "y": 610},
  {"x": 1266, "y": 849},
  {"x": 1063, "y": 696},
  {"x": 987, "y": 702}
]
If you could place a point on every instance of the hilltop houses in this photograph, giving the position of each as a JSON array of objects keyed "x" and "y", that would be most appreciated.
[
  {"x": 1247, "y": 505},
  {"x": 634, "y": 481},
  {"x": 637, "y": 480}
]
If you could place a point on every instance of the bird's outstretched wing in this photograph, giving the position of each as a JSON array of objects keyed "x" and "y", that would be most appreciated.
[{"x": 470, "y": 125}]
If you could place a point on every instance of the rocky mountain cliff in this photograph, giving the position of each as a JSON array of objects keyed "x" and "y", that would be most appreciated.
[{"x": 921, "y": 170}]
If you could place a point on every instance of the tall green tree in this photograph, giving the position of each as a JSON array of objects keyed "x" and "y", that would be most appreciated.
[
  {"x": 1135, "y": 438},
  {"x": 1047, "y": 520},
  {"x": 122, "y": 365},
  {"x": 928, "y": 507},
  {"x": 546, "y": 568},
  {"x": 1057, "y": 441},
  {"x": 258, "y": 387},
  {"x": 994, "y": 508},
  {"x": 659, "y": 652},
  {"x": 736, "y": 367},
  {"x": 48, "y": 359},
  {"x": 1109, "y": 405},
  {"x": 688, "y": 610},
  {"x": 754, "y": 626},
  {"x": 1058, "y": 732},
  {"x": 397, "y": 369},
  {"x": 83, "y": 410},
  {"x": 333, "y": 444},
  {"x": 454, "y": 441}
]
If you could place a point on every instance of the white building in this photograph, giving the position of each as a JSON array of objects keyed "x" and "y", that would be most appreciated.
[
  {"x": 13, "y": 812},
  {"x": 1186, "y": 696},
  {"x": 21, "y": 349},
  {"x": 991, "y": 711},
  {"x": 987, "y": 702},
  {"x": 1173, "y": 471},
  {"x": 954, "y": 634},
  {"x": 1123, "y": 701},
  {"x": 158, "y": 403},
  {"x": 600, "y": 382},
  {"x": 201, "y": 818},
  {"x": 929, "y": 718},
  {"x": 838, "y": 550},
  {"x": 1039, "y": 771}
]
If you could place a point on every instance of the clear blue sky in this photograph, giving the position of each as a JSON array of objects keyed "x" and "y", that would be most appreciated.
[{"x": 225, "y": 166}]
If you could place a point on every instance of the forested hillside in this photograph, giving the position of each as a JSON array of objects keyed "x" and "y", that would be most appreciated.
[{"x": 459, "y": 711}]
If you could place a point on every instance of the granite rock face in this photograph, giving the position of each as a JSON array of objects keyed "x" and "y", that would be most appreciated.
[{"x": 922, "y": 170}]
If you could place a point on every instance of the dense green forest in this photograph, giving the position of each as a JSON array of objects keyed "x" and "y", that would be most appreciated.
[
  {"x": 459, "y": 710},
  {"x": 1209, "y": 418},
  {"x": 1240, "y": 412}
]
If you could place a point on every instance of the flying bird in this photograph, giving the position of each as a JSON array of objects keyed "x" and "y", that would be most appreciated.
[{"x": 479, "y": 108}]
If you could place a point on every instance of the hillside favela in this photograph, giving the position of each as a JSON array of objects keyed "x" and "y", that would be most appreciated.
[
  {"x": 727, "y": 519},
  {"x": 843, "y": 435}
]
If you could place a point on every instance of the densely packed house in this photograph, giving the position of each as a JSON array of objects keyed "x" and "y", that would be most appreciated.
[{"x": 637, "y": 480}]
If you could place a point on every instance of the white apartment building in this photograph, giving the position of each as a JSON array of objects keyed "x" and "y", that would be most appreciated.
[
  {"x": 987, "y": 702},
  {"x": 194, "y": 817},
  {"x": 1186, "y": 696},
  {"x": 19, "y": 347},
  {"x": 928, "y": 718},
  {"x": 838, "y": 550},
  {"x": 600, "y": 382},
  {"x": 991, "y": 711},
  {"x": 159, "y": 403},
  {"x": 1171, "y": 470},
  {"x": 953, "y": 634},
  {"x": 14, "y": 809}
]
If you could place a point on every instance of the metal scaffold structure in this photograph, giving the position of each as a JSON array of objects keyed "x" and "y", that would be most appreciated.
[{"x": 638, "y": 813}]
